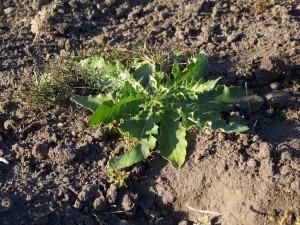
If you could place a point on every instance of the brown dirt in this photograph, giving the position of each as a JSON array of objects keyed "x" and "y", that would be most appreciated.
[{"x": 56, "y": 171}]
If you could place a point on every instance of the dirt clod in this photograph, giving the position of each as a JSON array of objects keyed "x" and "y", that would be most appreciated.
[
  {"x": 111, "y": 194},
  {"x": 264, "y": 150},
  {"x": 62, "y": 155},
  {"x": 278, "y": 99},
  {"x": 6, "y": 205},
  {"x": 127, "y": 203},
  {"x": 100, "y": 203}
]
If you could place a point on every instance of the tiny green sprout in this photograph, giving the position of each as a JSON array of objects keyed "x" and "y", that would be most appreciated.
[
  {"x": 204, "y": 220},
  {"x": 111, "y": 128},
  {"x": 287, "y": 218},
  {"x": 130, "y": 141},
  {"x": 118, "y": 177},
  {"x": 271, "y": 2}
]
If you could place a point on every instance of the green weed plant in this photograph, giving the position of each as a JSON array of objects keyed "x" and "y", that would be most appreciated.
[{"x": 156, "y": 108}]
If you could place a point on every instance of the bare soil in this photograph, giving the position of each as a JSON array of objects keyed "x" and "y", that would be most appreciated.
[{"x": 56, "y": 171}]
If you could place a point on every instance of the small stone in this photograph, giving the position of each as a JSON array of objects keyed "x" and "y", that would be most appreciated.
[
  {"x": 251, "y": 163},
  {"x": 60, "y": 124},
  {"x": 9, "y": 10},
  {"x": 183, "y": 222}
]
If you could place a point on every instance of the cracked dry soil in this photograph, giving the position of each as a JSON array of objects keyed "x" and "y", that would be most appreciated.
[{"x": 56, "y": 171}]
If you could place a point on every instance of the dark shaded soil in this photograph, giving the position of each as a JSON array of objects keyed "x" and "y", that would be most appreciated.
[{"x": 56, "y": 171}]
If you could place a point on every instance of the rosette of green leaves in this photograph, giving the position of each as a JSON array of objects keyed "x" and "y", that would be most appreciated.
[{"x": 156, "y": 109}]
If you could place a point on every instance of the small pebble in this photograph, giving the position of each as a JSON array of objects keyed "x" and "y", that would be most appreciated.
[
  {"x": 9, "y": 10},
  {"x": 183, "y": 222},
  {"x": 4, "y": 161},
  {"x": 251, "y": 163}
]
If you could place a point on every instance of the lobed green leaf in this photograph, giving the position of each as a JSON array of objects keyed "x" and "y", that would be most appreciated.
[
  {"x": 200, "y": 86},
  {"x": 171, "y": 141},
  {"x": 108, "y": 76},
  {"x": 91, "y": 102},
  {"x": 214, "y": 121},
  {"x": 142, "y": 73},
  {"x": 144, "y": 130},
  {"x": 217, "y": 99},
  {"x": 110, "y": 111}
]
